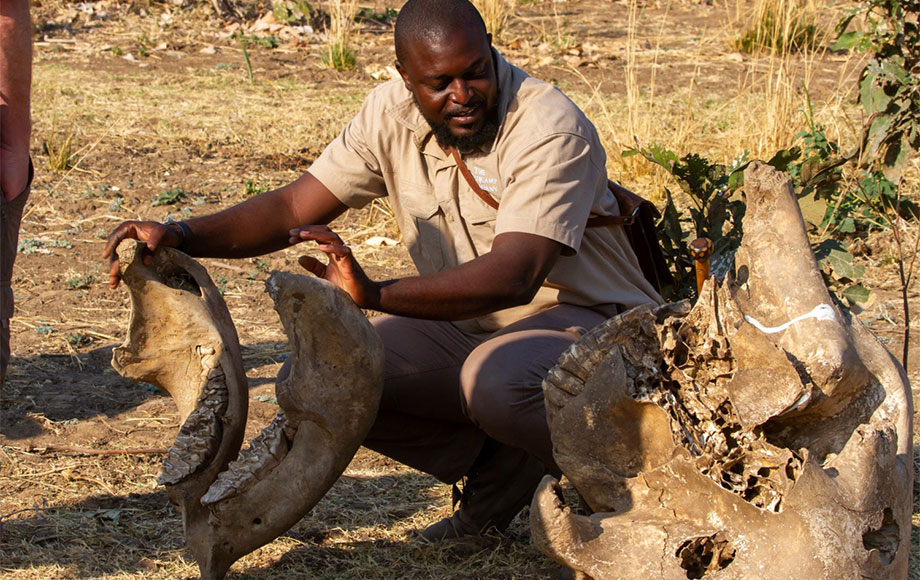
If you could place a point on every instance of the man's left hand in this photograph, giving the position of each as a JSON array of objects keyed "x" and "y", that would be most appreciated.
[{"x": 342, "y": 270}]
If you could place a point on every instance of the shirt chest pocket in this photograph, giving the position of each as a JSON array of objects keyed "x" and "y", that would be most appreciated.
[
  {"x": 480, "y": 222},
  {"x": 423, "y": 230}
]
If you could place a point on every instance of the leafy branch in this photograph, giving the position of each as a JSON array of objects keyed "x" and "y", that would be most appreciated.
[{"x": 714, "y": 214}]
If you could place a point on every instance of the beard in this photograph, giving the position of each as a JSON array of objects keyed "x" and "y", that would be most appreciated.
[{"x": 446, "y": 139}]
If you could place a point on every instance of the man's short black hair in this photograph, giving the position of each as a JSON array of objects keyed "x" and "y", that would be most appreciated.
[{"x": 430, "y": 20}]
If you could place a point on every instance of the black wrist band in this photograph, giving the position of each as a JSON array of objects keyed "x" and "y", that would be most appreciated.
[{"x": 184, "y": 234}]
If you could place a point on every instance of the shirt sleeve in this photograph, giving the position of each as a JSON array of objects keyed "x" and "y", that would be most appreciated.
[
  {"x": 349, "y": 167},
  {"x": 554, "y": 184}
]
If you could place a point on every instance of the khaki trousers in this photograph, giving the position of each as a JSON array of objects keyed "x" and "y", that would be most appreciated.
[
  {"x": 10, "y": 218},
  {"x": 446, "y": 391}
]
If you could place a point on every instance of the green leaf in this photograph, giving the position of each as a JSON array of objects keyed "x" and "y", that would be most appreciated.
[
  {"x": 856, "y": 294},
  {"x": 736, "y": 180},
  {"x": 893, "y": 67},
  {"x": 876, "y": 133},
  {"x": 871, "y": 95},
  {"x": 841, "y": 262},
  {"x": 670, "y": 219},
  {"x": 845, "y": 22},
  {"x": 895, "y": 158},
  {"x": 848, "y": 40},
  {"x": 662, "y": 156},
  {"x": 813, "y": 209},
  {"x": 784, "y": 157}
]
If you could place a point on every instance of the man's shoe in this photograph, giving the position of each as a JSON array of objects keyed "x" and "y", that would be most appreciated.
[
  {"x": 451, "y": 528},
  {"x": 500, "y": 483}
]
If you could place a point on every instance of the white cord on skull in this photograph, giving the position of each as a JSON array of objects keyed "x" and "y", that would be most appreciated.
[{"x": 821, "y": 312}]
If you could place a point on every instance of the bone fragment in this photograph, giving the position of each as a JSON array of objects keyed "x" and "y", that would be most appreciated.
[
  {"x": 181, "y": 339},
  {"x": 710, "y": 448}
]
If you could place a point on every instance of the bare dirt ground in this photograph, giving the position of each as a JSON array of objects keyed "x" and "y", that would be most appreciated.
[{"x": 157, "y": 104}]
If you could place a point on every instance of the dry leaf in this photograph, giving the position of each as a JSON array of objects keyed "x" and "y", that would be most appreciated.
[{"x": 378, "y": 241}]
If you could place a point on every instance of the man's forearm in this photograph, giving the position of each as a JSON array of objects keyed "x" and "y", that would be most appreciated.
[
  {"x": 507, "y": 276},
  {"x": 15, "y": 92},
  {"x": 254, "y": 227},
  {"x": 446, "y": 296},
  {"x": 262, "y": 224}
]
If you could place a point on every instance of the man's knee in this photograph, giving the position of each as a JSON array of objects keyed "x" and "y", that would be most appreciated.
[
  {"x": 503, "y": 377},
  {"x": 491, "y": 388}
]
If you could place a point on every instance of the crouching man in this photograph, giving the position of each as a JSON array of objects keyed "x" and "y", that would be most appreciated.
[{"x": 492, "y": 176}]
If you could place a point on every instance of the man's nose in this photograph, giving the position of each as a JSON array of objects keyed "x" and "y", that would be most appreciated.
[{"x": 460, "y": 92}]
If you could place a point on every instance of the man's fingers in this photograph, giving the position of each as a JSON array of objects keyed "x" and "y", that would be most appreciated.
[
  {"x": 319, "y": 234},
  {"x": 312, "y": 265},
  {"x": 122, "y": 232},
  {"x": 336, "y": 250},
  {"x": 115, "y": 238},
  {"x": 114, "y": 271},
  {"x": 153, "y": 236},
  {"x": 128, "y": 230},
  {"x": 327, "y": 240}
]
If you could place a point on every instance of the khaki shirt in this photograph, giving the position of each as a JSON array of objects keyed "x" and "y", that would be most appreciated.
[{"x": 546, "y": 168}]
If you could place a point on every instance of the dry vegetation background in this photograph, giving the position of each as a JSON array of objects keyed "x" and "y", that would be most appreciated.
[{"x": 159, "y": 110}]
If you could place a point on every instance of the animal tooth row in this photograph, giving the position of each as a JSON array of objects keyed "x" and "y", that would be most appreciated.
[
  {"x": 264, "y": 453},
  {"x": 199, "y": 437},
  {"x": 682, "y": 361},
  {"x": 194, "y": 446}
]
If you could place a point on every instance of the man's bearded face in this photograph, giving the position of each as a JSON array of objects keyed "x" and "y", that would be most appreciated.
[{"x": 453, "y": 82}]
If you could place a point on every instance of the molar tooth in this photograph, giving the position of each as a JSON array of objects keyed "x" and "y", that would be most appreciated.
[
  {"x": 264, "y": 453},
  {"x": 193, "y": 448}
]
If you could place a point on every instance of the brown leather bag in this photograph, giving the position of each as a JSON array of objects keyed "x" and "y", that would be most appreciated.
[
  {"x": 637, "y": 217},
  {"x": 642, "y": 235}
]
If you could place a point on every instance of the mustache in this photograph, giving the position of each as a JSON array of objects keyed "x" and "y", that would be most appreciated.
[{"x": 464, "y": 111}]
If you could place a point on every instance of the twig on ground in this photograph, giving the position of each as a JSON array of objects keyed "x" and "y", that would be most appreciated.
[{"x": 75, "y": 450}]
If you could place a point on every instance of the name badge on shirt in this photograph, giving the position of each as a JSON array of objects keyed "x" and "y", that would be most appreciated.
[{"x": 484, "y": 179}]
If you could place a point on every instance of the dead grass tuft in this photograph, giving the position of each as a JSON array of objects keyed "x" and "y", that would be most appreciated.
[
  {"x": 495, "y": 14},
  {"x": 59, "y": 150},
  {"x": 340, "y": 52},
  {"x": 779, "y": 27}
]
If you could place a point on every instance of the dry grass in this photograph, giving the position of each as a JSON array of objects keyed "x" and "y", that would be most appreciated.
[
  {"x": 91, "y": 506},
  {"x": 761, "y": 116},
  {"x": 199, "y": 125},
  {"x": 59, "y": 150},
  {"x": 781, "y": 26},
  {"x": 340, "y": 50},
  {"x": 495, "y": 14},
  {"x": 549, "y": 27}
]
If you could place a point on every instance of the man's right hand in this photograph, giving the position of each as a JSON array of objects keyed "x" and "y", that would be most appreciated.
[{"x": 154, "y": 234}]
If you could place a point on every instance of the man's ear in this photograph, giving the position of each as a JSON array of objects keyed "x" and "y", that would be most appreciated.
[
  {"x": 404, "y": 75},
  {"x": 489, "y": 38}
]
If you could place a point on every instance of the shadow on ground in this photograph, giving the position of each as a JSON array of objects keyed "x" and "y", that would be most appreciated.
[
  {"x": 65, "y": 389},
  {"x": 142, "y": 532}
]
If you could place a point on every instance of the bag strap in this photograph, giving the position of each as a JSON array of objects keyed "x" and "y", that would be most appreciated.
[
  {"x": 628, "y": 201},
  {"x": 483, "y": 195}
]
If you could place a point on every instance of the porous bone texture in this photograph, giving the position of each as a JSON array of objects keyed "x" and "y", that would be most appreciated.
[{"x": 709, "y": 444}]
